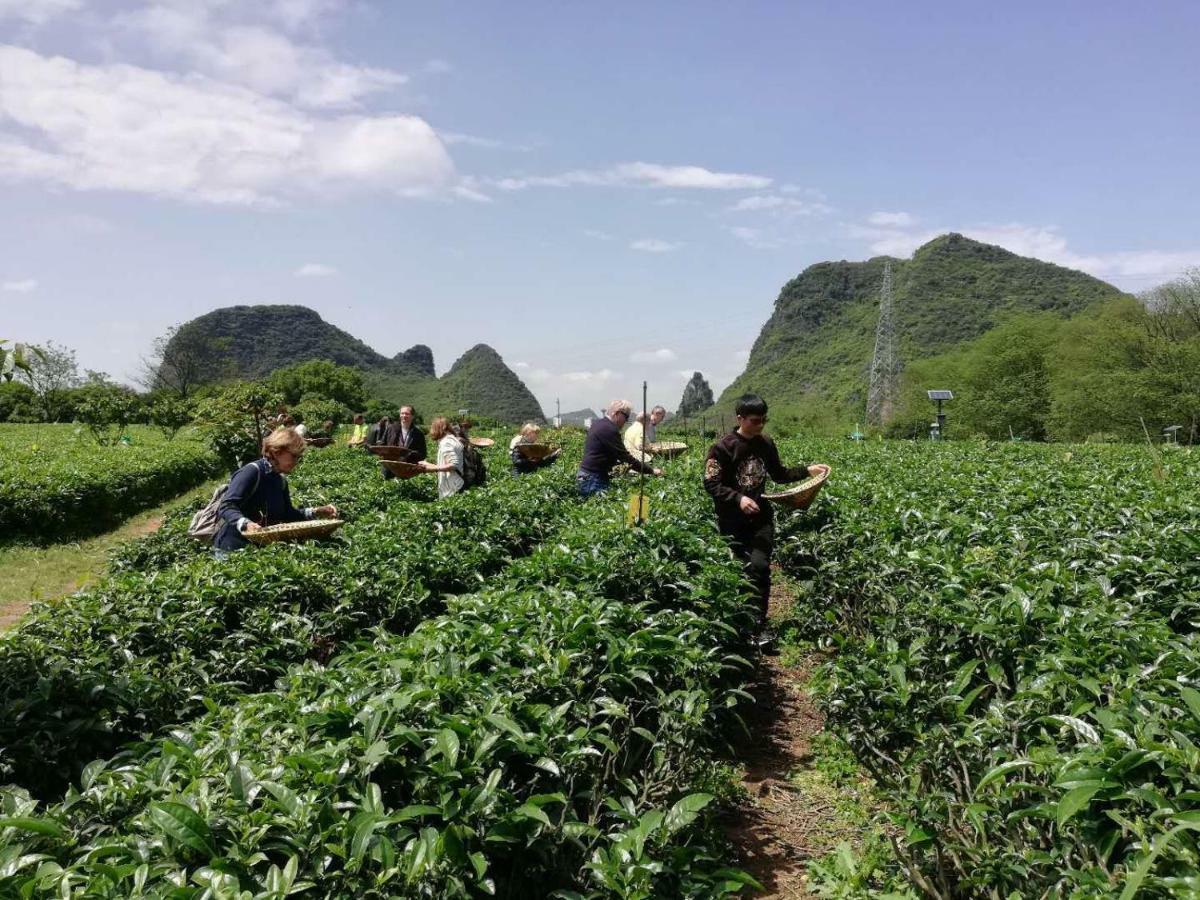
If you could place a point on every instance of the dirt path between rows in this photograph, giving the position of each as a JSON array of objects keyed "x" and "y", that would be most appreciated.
[
  {"x": 789, "y": 816},
  {"x": 58, "y": 577},
  {"x": 29, "y": 574}
]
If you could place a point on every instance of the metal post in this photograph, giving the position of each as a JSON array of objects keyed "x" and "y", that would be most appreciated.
[
  {"x": 941, "y": 420},
  {"x": 642, "y": 458}
]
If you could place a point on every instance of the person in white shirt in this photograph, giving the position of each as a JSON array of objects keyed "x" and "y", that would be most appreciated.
[
  {"x": 656, "y": 416},
  {"x": 635, "y": 439},
  {"x": 449, "y": 463}
]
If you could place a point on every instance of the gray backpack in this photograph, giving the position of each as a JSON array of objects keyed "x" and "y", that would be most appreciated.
[{"x": 206, "y": 523}]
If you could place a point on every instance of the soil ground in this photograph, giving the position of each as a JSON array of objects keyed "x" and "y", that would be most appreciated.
[
  {"x": 29, "y": 574},
  {"x": 792, "y": 812}
]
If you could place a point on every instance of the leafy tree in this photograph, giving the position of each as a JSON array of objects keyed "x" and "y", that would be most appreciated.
[
  {"x": 234, "y": 420},
  {"x": 320, "y": 378},
  {"x": 314, "y": 410},
  {"x": 183, "y": 359},
  {"x": 107, "y": 411},
  {"x": 18, "y": 402},
  {"x": 170, "y": 414},
  {"x": 49, "y": 369},
  {"x": 1173, "y": 351}
]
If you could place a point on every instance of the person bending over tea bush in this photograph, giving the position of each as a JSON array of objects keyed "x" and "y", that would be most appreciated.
[{"x": 258, "y": 495}]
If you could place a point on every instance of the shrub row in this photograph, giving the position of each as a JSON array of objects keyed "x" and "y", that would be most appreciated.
[
  {"x": 546, "y": 735},
  {"x": 1016, "y": 660},
  {"x": 66, "y": 488},
  {"x": 149, "y": 647}
]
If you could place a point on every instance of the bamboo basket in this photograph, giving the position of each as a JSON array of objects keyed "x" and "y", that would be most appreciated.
[
  {"x": 803, "y": 494},
  {"x": 402, "y": 469},
  {"x": 318, "y": 441},
  {"x": 535, "y": 452},
  {"x": 394, "y": 454},
  {"x": 482, "y": 442},
  {"x": 294, "y": 531},
  {"x": 667, "y": 449}
]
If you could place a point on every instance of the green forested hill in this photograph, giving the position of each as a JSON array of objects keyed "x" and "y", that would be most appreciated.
[
  {"x": 813, "y": 355},
  {"x": 250, "y": 342},
  {"x": 479, "y": 381}
]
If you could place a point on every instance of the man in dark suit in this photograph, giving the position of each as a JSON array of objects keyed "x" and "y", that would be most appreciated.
[{"x": 404, "y": 433}]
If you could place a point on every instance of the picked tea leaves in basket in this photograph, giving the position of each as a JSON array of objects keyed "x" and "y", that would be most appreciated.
[
  {"x": 402, "y": 469},
  {"x": 803, "y": 494},
  {"x": 294, "y": 531},
  {"x": 395, "y": 454},
  {"x": 667, "y": 449},
  {"x": 535, "y": 452}
]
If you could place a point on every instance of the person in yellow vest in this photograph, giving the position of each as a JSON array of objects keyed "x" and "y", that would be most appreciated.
[{"x": 358, "y": 434}]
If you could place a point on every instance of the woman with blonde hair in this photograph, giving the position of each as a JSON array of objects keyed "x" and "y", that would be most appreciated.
[
  {"x": 258, "y": 494},
  {"x": 449, "y": 463},
  {"x": 521, "y": 464}
]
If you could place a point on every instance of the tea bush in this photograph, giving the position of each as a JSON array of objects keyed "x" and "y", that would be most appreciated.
[
  {"x": 149, "y": 647},
  {"x": 1015, "y": 658},
  {"x": 547, "y": 734},
  {"x": 57, "y": 484}
]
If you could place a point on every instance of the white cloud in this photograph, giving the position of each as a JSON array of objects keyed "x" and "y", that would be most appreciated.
[
  {"x": 126, "y": 128},
  {"x": 601, "y": 377},
  {"x": 24, "y": 286},
  {"x": 315, "y": 270},
  {"x": 781, "y": 205},
  {"x": 640, "y": 174},
  {"x": 36, "y": 12},
  {"x": 213, "y": 40},
  {"x": 755, "y": 237},
  {"x": 661, "y": 355},
  {"x": 891, "y": 219},
  {"x": 598, "y": 235},
  {"x": 655, "y": 245}
]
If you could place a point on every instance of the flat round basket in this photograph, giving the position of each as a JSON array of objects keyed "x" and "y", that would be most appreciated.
[
  {"x": 402, "y": 469},
  {"x": 395, "y": 454},
  {"x": 803, "y": 494},
  {"x": 667, "y": 449},
  {"x": 318, "y": 441},
  {"x": 482, "y": 442},
  {"x": 535, "y": 452},
  {"x": 294, "y": 531}
]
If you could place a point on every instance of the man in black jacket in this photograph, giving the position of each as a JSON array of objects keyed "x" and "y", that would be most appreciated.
[
  {"x": 602, "y": 450},
  {"x": 735, "y": 474},
  {"x": 403, "y": 433}
]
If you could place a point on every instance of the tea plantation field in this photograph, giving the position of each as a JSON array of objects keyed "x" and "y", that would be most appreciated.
[
  {"x": 513, "y": 693},
  {"x": 57, "y": 483},
  {"x": 1013, "y": 631}
]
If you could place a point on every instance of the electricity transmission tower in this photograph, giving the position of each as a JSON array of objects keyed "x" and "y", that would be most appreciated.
[{"x": 885, "y": 365}]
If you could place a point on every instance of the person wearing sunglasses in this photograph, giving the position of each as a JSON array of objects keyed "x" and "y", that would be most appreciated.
[
  {"x": 603, "y": 450},
  {"x": 735, "y": 474},
  {"x": 258, "y": 494}
]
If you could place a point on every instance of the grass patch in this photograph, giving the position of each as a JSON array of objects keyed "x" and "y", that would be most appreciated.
[{"x": 29, "y": 574}]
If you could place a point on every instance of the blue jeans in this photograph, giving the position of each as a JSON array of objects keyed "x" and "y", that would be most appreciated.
[{"x": 590, "y": 483}]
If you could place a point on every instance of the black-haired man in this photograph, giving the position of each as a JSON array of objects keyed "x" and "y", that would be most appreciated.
[{"x": 735, "y": 474}]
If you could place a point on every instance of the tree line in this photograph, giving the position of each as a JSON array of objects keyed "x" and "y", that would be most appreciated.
[{"x": 1120, "y": 371}]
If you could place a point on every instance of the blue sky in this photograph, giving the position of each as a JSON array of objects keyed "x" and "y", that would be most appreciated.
[{"x": 603, "y": 192}]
